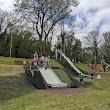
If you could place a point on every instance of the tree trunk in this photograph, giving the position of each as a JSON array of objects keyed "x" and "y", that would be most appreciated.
[
  {"x": 96, "y": 52},
  {"x": 40, "y": 45},
  {"x": 11, "y": 45}
]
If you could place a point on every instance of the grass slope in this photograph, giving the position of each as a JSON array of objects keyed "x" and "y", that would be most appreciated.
[
  {"x": 13, "y": 86},
  {"x": 98, "y": 97},
  {"x": 63, "y": 76},
  {"x": 11, "y": 69},
  {"x": 11, "y": 61},
  {"x": 17, "y": 94}
]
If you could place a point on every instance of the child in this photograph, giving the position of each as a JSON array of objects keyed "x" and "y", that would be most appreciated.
[
  {"x": 32, "y": 67},
  {"x": 35, "y": 54},
  {"x": 35, "y": 60},
  {"x": 106, "y": 68},
  {"x": 42, "y": 58},
  {"x": 81, "y": 79},
  {"x": 45, "y": 63},
  {"x": 96, "y": 67},
  {"x": 92, "y": 72}
]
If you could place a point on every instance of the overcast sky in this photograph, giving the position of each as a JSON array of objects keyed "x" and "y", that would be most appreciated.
[{"x": 95, "y": 14}]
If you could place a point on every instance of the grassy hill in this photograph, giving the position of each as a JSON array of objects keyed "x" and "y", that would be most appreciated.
[
  {"x": 18, "y": 94},
  {"x": 96, "y": 98}
]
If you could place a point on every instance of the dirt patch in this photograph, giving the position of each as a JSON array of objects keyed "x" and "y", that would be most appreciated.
[{"x": 65, "y": 91}]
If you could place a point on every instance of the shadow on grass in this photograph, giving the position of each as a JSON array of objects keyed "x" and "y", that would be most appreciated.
[{"x": 14, "y": 86}]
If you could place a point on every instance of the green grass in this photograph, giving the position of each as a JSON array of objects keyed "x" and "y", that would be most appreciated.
[
  {"x": 17, "y": 94},
  {"x": 86, "y": 68},
  {"x": 97, "y": 98},
  {"x": 11, "y": 61},
  {"x": 8, "y": 66},
  {"x": 13, "y": 86},
  {"x": 63, "y": 76},
  {"x": 11, "y": 69},
  {"x": 54, "y": 63}
]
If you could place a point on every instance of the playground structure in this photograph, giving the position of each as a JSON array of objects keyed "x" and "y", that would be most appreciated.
[
  {"x": 71, "y": 64},
  {"x": 51, "y": 78},
  {"x": 107, "y": 66}
]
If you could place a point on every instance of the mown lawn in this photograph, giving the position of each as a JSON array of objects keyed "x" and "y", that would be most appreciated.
[
  {"x": 63, "y": 76},
  {"x": 97, "y": 98},
  {"x": 17, "y": 94},
  {"x": 86, "y": 68},
  {"x": 11, "y": 69},
  {"x": 11, "y": 61},
  {"x": 13, "y": 86}
]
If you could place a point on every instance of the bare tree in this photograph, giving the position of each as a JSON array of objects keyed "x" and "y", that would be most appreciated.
[
  {"x": 93, "y": 40},
  {"x": 3, "y": 18},
  {"x": 44, "y": 14},
  {"x": 11, "y": 26},
  {"x": 107, "y": 45}
]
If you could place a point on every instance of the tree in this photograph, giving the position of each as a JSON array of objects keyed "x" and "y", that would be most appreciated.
[
  {"x": 93, "y": 40},
  {"x": 44, "y": 15},
  {"x": 3, "y": 17},
  {"x": 106, "y": 37},
  {"x": 73, "y": 46}
]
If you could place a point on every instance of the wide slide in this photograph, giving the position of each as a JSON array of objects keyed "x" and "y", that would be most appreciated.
[
  {"x": 51, "y": 78},
  {"x": 72, "y": 65}
]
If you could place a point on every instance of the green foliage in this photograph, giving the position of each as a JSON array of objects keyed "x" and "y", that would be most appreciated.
[
  {"x": 76, "y": 50},
  {"x": 70, "y": 45},
  {"x": 23, "y": 46},
  {"x": 87, "y": 58}
]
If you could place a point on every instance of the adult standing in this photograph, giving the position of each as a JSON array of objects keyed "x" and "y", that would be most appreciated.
[{"x": 103, "y": 63}]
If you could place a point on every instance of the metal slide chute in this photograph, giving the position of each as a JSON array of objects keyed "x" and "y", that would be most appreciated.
[
  {"x": 51, "y": 78},
  {"x": 72, "y": 65}
]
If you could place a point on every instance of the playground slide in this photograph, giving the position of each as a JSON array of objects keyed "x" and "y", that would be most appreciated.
[
  {"x": 51, "y": 78},
  {"x": 107, "y": 65},
  {"x": 72, "y": 65},
  {"x": 36, "y": 80}
]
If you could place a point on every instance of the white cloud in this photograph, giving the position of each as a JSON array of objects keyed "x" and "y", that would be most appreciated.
[
  {"x": 6, "y": 4},
  {"x": 95, "y": 14}
]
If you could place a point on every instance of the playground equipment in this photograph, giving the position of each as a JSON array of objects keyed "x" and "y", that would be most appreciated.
[
  {"x": 107, "y": 65},
  {"x": 51, "y": 78},
  {"x": 37, "y": 80},
  {"x": 71, "y": 64}
]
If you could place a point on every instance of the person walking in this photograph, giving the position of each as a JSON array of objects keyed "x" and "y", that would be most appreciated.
[
  {"x": 92, "y": 72},
  {"x": 81, "y": 78}
]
